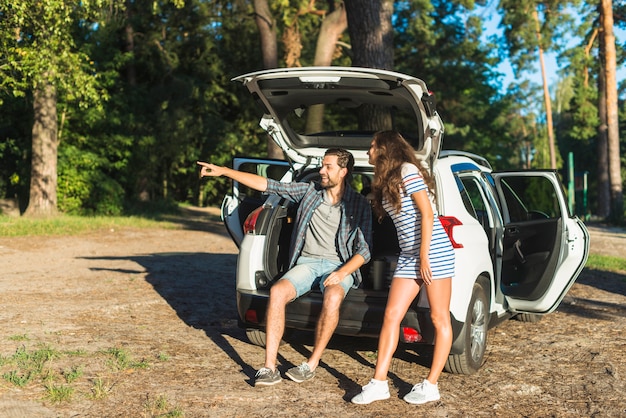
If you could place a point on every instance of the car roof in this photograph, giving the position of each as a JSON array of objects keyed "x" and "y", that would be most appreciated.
[{"x": 342, "y": 98}]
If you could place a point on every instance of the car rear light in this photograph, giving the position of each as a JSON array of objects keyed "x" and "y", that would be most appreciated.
[
  {"x": 250, "y": 223},
  {"x": 251, "y": 316},
  {"x": 448, "y": 223},
  {"x": 411, "y": 335}
]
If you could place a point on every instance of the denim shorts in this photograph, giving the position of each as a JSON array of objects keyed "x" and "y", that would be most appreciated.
[{"x": 309, "y": 273}]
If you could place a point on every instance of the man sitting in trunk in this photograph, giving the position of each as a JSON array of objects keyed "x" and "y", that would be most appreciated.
[{"x": 331, "y": 240}]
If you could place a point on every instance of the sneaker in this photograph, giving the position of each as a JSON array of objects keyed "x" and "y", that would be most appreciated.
[
  {"x": 301, "y": 373},
  {"x": 422, "y": 393},
  {"x": 373, "y": 391},
  {"x": 267, "y": 377}
]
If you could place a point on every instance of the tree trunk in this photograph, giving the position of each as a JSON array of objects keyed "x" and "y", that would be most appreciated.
[
  {"x": 546, "y": 94},
  {"x": 129, "y": 32},
  {"x": 267, "y": 31},
  {"x": 43, "y": 177},
  {"x": 333, "y": 26},
  {"x": 371, "y": 36},
  {"x": 615, "y": 178},
  {"x": 371, "y": 33},
  {"x": 603, "y": 209}
]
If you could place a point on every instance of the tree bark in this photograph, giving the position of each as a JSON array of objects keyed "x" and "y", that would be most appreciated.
[
  {"x": 333, "y": 26},
  {"x": 371, "y": 36},
  {"x": 546, "y": 94},
  {"x": 615, "y": 178},
  {"x": 43, "y": 177},
  {"x": 371, "y": 33},
  {"x": 267, "y": 31},
  {"x": 129, "y": 33},
  {"x": 603, "y": 209}
]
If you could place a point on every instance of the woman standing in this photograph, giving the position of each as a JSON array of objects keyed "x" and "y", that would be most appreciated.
[{"x": 404, "y": 190}]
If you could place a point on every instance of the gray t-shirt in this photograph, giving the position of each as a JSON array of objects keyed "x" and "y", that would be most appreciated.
[{"x": 322, "y": 231}]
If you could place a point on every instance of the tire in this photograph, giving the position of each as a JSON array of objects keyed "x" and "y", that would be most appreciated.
[
  {"x": 474, "y": 335},
  {"x": 257, "y": 336},
  {"x": 528, "y": 317}
]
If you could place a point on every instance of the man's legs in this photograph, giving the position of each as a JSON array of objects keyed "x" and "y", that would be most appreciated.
[
  {"x": 281, "y": 294},
  {"x": 295, "y": 283},
  {"x": 327, "y": 322}
]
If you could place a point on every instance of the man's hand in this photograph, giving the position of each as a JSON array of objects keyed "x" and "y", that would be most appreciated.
[
  {"x": 210, "y": 170},
  {"x": 335, "y": 277},
  {"x": 251, "y": 180}
]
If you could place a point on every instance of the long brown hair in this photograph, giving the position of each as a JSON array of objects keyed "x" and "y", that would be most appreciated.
[{"x": 392, "y": 150}]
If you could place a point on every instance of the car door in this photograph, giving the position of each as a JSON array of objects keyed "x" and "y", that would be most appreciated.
[
  {"x": 242, "y": 200},
  {"x": 544, "y": 248}
]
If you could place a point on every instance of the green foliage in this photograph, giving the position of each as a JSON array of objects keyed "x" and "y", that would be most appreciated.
[
  {"x": 43, "y": 50},
  {"x": 83, "y": 188},
  {"x": 70, "y": 224},
  {"x": 58, "y": 393},
  {"x": 121, "y": 360},
  {"x": 145, "y": 92},
  {"x": 440, "y": 42},
  {"x": 606, "y": 263},
  {"x": 37, "y": 367}
]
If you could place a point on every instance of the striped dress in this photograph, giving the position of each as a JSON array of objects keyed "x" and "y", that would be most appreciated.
[{"x": 408, "y": 225}]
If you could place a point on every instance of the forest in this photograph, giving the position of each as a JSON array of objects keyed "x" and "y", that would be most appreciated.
[{"x": 107, "y": 104}]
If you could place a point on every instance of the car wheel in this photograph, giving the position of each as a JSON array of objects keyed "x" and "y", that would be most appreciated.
[
  {"x": 257, "y": 336},
  {"x": 528, "y": 317},
  {"x": 474, "y": 334}
]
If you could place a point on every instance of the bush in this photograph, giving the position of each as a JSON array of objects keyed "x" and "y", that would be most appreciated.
[{"x": 83, "y": 188}]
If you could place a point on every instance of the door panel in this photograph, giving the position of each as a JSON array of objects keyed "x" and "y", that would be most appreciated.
[
  {"x": 243, "y": 200},
  {"x": 540, "y": 261}
]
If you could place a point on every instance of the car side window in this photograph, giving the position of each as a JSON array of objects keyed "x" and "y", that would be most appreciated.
[
  {"x": 467, "y": 201},
  {"x": 362, "y": 183},
  {"x": 271, "y": 171},
  {"x": 529, "y": 198},
  {"x": 474, "y": 200}
]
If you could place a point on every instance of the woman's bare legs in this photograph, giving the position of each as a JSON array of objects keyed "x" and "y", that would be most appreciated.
[
  {"x": 439, "y": 293},
  {"x": 401, "y": 294}
]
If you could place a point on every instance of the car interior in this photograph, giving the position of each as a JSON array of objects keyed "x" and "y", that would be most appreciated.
[
  {"x": 532, "y": 236},
  {"x": 376, "y": 274}
]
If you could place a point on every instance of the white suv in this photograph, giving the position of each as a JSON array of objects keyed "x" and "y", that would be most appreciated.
[{"x": 518, "y": 249}]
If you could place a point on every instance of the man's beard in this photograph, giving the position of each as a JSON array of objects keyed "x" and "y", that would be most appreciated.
[{"x": 328, "y": 183}]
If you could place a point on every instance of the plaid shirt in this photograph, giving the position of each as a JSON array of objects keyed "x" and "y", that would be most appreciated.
[{"x": 354, "y": 235}]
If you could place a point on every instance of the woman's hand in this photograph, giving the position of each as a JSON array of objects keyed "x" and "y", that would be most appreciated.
[{"x": 425, "y": 271}]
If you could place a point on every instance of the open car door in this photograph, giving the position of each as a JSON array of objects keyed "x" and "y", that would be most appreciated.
[
  {"x": 242, "y": 200},
  {"x": 544, "y": 249}
]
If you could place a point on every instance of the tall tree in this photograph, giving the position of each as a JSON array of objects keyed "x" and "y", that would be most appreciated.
[
  {"x": 602, "y": 148},
  {"x": 442, "y": 42},
  {"x": 609, "y": 53},
  {"x": 332, "y": 28},
  {"x": 269, "y": 48},
  {"x": 42, "y": 59},
  {"x": 371, "y": 33},
  {"x": 546, "y": 91},
  {"x": 371, "y": 37},
  {"x": 531, "y": 27}
]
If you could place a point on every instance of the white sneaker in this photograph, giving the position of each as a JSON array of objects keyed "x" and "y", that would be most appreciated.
[
  {"x": 373, "y": 391},
  {"x": 422, "y": 393}
]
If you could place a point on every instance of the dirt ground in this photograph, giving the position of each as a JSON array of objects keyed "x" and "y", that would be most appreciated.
[{"x": 142, "y": 323}]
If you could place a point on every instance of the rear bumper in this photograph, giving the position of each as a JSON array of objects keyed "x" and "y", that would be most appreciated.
[{"x": 362, "y": 313}]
